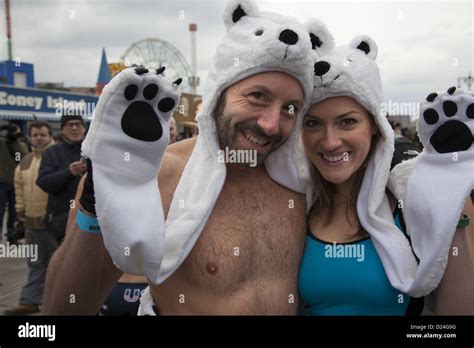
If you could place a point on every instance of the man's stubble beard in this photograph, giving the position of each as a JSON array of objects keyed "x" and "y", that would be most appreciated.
[{"x": 227, "y": 133}]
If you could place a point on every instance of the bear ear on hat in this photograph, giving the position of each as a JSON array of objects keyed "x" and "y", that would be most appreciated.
[
  {"x": 237, "y": 9},
  {"x": 322, "y": 40},
  {"x": 365, "y": 44}
]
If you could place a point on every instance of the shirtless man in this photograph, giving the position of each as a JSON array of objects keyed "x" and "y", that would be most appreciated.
[{"x": 247, "y": 256}]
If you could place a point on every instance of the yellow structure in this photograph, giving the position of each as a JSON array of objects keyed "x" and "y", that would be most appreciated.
[{"x": 115, "y": 68}]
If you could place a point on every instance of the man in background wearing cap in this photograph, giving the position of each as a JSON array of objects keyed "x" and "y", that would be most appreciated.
[{"x": 60, "y": 172}]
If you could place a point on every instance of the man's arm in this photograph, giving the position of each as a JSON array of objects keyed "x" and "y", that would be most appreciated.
[
  {"x": 455, "y": 293},
  {"x": 82, "y": 269},
  {"x": 51, "y": 178},
  {"x": 81, "y": 273}
]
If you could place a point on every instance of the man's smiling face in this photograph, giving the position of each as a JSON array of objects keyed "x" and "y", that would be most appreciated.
[{"x": 259, "y": 112}]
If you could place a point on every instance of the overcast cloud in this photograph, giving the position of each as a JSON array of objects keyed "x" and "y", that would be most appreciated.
[{"x": 423, "y": 46}]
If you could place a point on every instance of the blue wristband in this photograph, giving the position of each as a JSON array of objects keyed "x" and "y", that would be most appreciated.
[{"x": 87, "y": 223}]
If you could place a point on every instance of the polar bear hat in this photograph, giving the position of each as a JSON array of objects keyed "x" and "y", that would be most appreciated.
[{"x": 351, "y": 70}]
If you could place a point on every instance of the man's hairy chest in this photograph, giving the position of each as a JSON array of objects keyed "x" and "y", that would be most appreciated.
[{"x": 255, "y": 232}]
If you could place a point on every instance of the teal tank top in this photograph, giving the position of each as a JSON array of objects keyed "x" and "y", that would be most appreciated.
[{"x": 349, "y": 279}]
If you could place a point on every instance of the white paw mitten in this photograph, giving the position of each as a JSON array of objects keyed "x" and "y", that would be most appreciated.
[
  {"x": 442, "y": 179},
  {"x": 126, "y": 142}
]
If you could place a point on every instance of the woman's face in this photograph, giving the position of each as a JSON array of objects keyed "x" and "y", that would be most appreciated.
[{"x": 337, "y": 135}]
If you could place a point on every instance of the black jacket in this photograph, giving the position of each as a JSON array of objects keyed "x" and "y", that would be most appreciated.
[
  {"x": 404, "y": 150},
  {"x": 55, "y": 178}
]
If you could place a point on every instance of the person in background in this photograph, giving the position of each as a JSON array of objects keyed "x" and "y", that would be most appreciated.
[
  {"x": 60, "y": 172},
  {"x": 23, "y": 140},
  {"x": 412, "y": 136},
  {"x": 173, "y": 130},
  {"x": 30, "y": 209},
  {"x": 397, "y": 129},
  {"x": 57, "y": 138},
  {"x": 11, "y": 152},
  {"x": 405, "y": 148}
]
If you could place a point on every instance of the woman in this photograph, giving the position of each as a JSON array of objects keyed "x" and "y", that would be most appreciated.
[{"x": 347, "y": 140}]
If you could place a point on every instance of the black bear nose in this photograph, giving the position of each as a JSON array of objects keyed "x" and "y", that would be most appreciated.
[
  {"x": 288, "y": 36},
  {"x": 320, "y": 68}
]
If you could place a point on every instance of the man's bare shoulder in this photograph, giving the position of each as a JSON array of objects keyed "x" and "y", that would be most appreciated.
[
  {"x": 182, "y": 149},
  {"x": 172, "y": 166},
  {"x": 176, "y": 156}
]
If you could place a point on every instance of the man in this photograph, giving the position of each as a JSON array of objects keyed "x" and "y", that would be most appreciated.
[
  {"x": 249, "y": 244},
  {"x": 11, "y": 152},
  {"x": 173, "y": 130},
  {"x": 262, "y": 278},
  {"x": 246, "y": 258},
  {"x": 30, "y": 208},
  {"x": 60, "y": 172}
]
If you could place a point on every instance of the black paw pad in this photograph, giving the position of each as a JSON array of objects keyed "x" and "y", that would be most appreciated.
[
  {"x": 450, "y": 108},
  {"x": 131, "y": 92},
  {"x": 430, "y": 116},
  {"x": 451, "y": 136},
  {"x": 139, "y": 120},
  {"x": 150, "y": 91},
  {"x": 470, "y": 111},
  {"x": 141, "y": 71},
  {"x": 166, "y": 104}
]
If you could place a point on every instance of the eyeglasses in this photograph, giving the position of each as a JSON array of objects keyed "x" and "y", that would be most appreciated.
[{"x": 74, "y": 124}]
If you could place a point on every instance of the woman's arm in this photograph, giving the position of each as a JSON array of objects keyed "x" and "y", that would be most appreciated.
[{"x": 455, "y": 293}]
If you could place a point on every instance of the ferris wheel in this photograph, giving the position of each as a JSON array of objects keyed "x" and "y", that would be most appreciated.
[{"x": 155, "y": 53}]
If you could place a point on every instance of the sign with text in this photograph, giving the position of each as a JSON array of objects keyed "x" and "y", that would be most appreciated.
[{"x": 45, "y": 101}]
